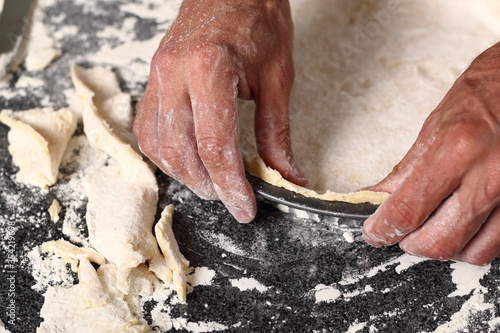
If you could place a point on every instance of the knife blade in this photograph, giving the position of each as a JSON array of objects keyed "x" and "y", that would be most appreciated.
[{"x": 15, "y": 23}]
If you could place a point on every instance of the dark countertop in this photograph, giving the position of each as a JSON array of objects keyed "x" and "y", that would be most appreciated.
[{"x": 377, "y": 289}]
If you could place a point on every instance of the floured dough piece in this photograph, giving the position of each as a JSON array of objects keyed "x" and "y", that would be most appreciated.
[
  {"x": 2, "y": 328},
  {"x": 88, "y": 307},
  {"x": 100, "y": 87},
  {"x": 72, "y": 254},
  {"x": 54, "y": 210},
  {"x": 37, "y": 141},
  {"x": 42, "y": 48},
  {"x": 122, "y": 197},
  {"x": 120, "y": 218},
  {"x": 176, "y": 262}
]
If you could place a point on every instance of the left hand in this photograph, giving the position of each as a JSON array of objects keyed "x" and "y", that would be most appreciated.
[{"x": 445, "y": 193}]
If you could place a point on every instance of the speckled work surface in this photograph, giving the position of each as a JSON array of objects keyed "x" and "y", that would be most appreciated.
[{"x": 307, "y": 275}]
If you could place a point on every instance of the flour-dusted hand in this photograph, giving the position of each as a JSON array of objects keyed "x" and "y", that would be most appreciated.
[
  {"x": 216, "y": 51},
  {"x": 445, "y": 193}
]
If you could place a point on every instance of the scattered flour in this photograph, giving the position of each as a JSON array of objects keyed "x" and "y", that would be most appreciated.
[
  {"x": 403, "y": 262},
  {"x": 467, "y": 277},
  {"x": 325, "y": 293},
  {"x": 202, "y": 276},
  {"x": 348, "y": 236},
  {"x": 244, "y": 284},
  {"x": 2, "y": 327},
  {"x": 356, "y": 327},
  {"x": 494, "y": 323},
  {"x": 199, "y": 327},
  {"x": 460, "y": 320},
  {"x": 48, "y": 271},
  {"x": 224, "y": 242}
]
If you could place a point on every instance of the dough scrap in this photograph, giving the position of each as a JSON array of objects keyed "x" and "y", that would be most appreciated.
[
  {"x": 170, "y": 249},
  {"x": 42, "y": 49},
  {"x": 37, "y": 140},
  {"x": 122, "y": 197},
  {"x": 2, "y": 328},
  {"x": 88, "y": 307},
  {"x": 54, "y": 210},
  {"x": 72, "y": 254}
]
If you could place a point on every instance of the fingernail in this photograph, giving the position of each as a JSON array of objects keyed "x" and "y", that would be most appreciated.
[
  {"x": 299, "y": 175},
  {"x": 370, "y": 240},
  {"x": 367, "y": 233},
  {"x": 242, "y": 216}
]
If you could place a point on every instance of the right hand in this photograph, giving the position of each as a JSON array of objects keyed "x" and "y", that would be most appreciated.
[{"x": 216, "y": 51}]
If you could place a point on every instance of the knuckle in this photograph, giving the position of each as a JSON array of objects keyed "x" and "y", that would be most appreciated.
[
  {"x": 406, "y": 216},
  {"x": 469, "y": 137},
  {"x": 205, "y": 57},
  {"x": 172, "y": 161},
  {"x": 165, "y": 59},
  {"x": 212, "y": 152}
]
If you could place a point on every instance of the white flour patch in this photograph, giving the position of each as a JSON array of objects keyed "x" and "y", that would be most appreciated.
[
  {"x": 494, "y": 323},
  {"x": 348, "y": 236},
  {"x": 467, "y": 277},
  {"x": 406, "y": 261},
  {"x": 244, "y": 284},
  {"x": 460, "y": 320},
  {"x": 323, "y": 293},
  {"x": 48, "y": 271},
  {"x": 403, "y": 263},
  {"x": 202, "y": 276},
  {"x": 154, "y": 9},
  {"x": 200, "y": 327},
  {"x": 355, "y": 327},
  {"x": 224, "y": 242}
]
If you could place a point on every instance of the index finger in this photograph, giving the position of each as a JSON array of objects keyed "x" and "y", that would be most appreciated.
[{"x": 213, "y": 96}]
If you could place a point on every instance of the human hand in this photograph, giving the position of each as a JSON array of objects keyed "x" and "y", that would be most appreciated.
[
  {"x": 445, "y": 193},
  {"x": 186, "y": 123}
]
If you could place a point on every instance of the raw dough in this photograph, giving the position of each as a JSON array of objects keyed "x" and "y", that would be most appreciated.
[
  {"x": 88, "y": 307},
  {"x": 368, "y": 73},
  {"x": 122, "y": 196},
  {"x": 71, "y": 254},
  {"x": 54, "y": 210},
  {"x": 257, "y": 167},
  {"x": 120, "y": 217},
  {"x": 42, "y": 49},
  {"x": 2, "y": 328},
  {"x": 168, "y": 245},
  {"x": 37, "y": 140}
]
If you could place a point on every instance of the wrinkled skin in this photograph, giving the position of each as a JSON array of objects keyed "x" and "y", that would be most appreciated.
[
  {"x": 445, "y": 193},
  {"x": 186, "y": 121}
]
